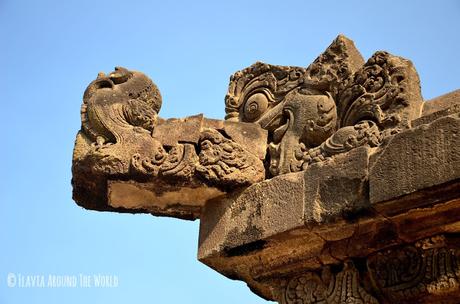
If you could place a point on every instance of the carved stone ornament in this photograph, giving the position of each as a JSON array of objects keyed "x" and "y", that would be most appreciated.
[
  {"x": 122, "y": 138},
  {"x": 428, "y": 270},
  {"x": 336, "y": 104},
  {"x": 310, "y": 114},
  {"x": 344, "y": 287},
  {"x": 332, "y": 183}
]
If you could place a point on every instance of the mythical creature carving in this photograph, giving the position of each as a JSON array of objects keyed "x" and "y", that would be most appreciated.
[
  {"x": 334, "y": 105},
  {"x": 119, "y": 114},
  {"x": 300, "y": 116},
  {"x": 118, "y": 102}
]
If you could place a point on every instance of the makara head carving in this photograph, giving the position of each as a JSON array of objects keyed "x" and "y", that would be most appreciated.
[{"x": 337, "y": 103}]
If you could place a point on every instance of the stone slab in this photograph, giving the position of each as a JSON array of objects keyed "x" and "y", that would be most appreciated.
[
  {"x": 449, "y": 110},
  {"x": 172, "y": 131},
  {"x": 337, "y": 188},
  {"x": 441, "y": 102},
  {"x": 422, "y": 157},
  {"x": 263, "y": 209},
  {"x": 181, "y": 202}
]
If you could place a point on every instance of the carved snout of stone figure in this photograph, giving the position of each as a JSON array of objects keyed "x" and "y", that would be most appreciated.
[{"x": 301, "y": 118}]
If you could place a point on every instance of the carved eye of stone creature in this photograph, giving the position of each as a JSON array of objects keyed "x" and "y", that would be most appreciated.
[{"x": 255, "y": 106}]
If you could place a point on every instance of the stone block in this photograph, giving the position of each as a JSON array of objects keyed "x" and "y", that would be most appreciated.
[
  {"x": 326, "y": 192},
  {"x": 260, "y": 211},
  {"x": 418, "y": 158},
  {"x": 441, "y": 102},
  {"x": 337, "y": 188}
]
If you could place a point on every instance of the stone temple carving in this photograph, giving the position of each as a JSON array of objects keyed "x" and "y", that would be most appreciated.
[
  {"x": 336, "y": 104},
  {"x": 332, "y": 183}
]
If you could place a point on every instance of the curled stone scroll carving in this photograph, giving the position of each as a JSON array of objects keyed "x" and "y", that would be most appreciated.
[
  {"x": 221, "y": 160},
  {"x": 425, "y": 269},
  {"x": 385, "y": 90},
  {"x": 178, "y": 162},
  {"x": 344, "y": 287},
  {"x": 345, "y": 139}
]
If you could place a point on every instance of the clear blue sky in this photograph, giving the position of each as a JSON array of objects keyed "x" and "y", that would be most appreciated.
[{"x": 50, "y": 51}]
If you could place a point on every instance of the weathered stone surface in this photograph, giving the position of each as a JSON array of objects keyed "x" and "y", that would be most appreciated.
[
  {"x": 173, "y": 131},
  {"x": 264, "y": 264},
  {"x": 453, "y": 108},
  {"x": 419, "y": 158},
  {"x": 441, "y": 103},
  {"x": 265, "y": 209},
  {"x": 335, "y": 105},
  {"x": 426, "y": 271},
  {"x": 338, "y": 62},
  {"x": 286, "y": 202},
  {"x": 183, "y": 201},
  {"x": 323, "y": 185},
  {"x": 127, "y": 159},
  {"x": 345, "y": 174}
]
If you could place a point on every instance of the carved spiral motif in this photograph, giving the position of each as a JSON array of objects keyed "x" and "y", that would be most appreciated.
[
  {"x": 379, "y": 91},
  {"x": 255, "y": 106},
  {"x": 409, "y": 272},
  {"x": 343, "y": 287}
]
